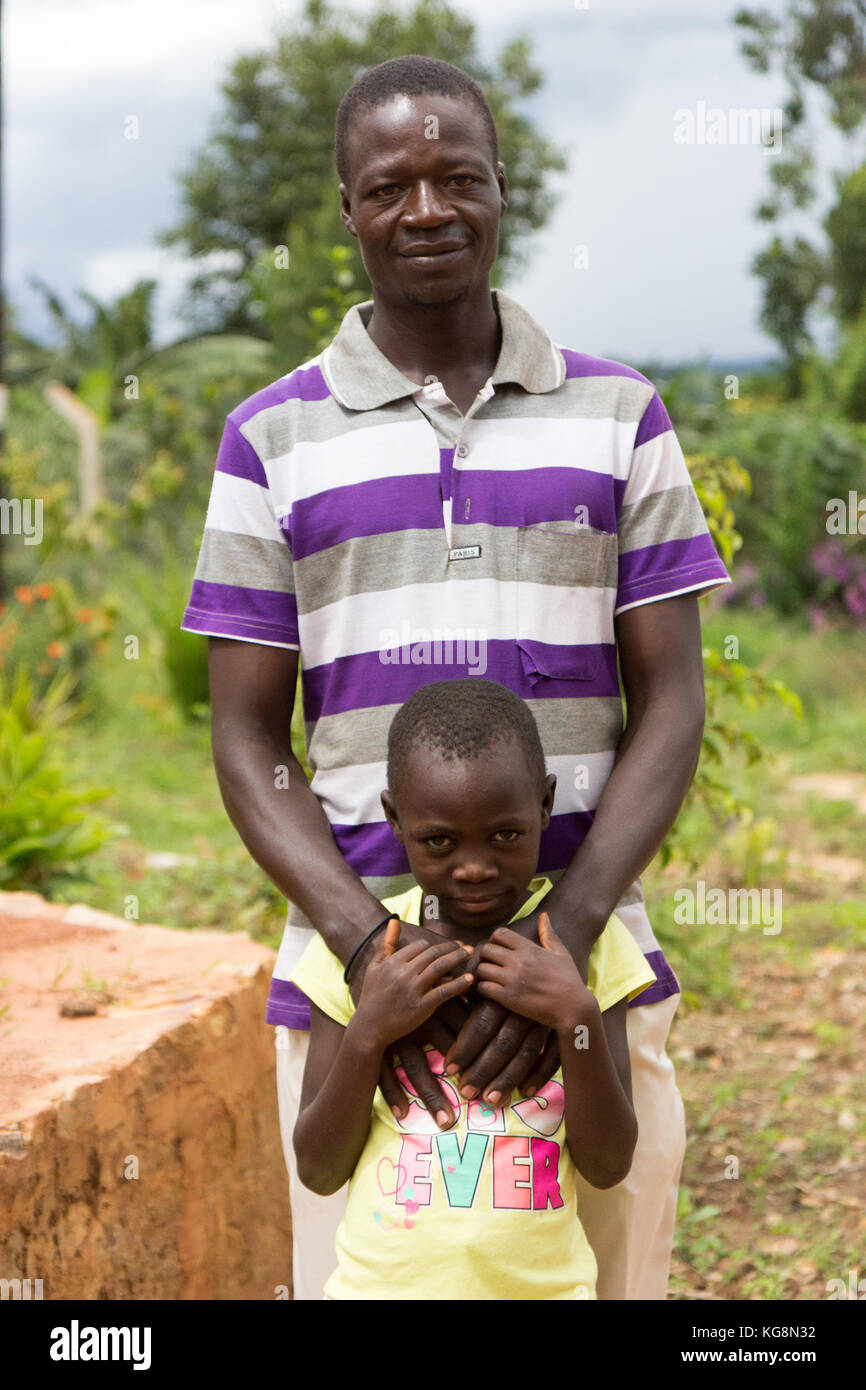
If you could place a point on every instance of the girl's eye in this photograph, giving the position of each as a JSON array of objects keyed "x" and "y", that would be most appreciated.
[
  {"x": 433, "y": 838},
  {"x": 513, "y": 833}
]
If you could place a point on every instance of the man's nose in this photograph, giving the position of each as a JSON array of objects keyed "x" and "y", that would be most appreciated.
[{"x": 427, "y": 206}]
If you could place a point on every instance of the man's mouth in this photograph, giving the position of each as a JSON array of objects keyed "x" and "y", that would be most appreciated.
[{"x": 437, "y": 255}]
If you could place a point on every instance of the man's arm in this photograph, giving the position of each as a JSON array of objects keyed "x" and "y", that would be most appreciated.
[
  {"x": 252, "y": 690},
  {"x": 289, "y": 836},
  {"x": 661, "y": 664}
]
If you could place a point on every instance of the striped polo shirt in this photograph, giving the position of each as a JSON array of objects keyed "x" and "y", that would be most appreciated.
[{"x": 362, "y": 520}]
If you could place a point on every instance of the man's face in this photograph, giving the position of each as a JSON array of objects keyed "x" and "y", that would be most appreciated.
[{"x": 422, "y": 178}]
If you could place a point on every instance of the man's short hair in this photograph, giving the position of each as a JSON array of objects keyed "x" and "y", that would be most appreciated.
[
  {"x": 412, "y": 75},
  {"x": 460, "y": 719}
]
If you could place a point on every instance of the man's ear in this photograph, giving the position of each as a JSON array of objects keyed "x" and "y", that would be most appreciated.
[
  {"x": 503, "y": 184},
  {"x": 345, "y": 210}
]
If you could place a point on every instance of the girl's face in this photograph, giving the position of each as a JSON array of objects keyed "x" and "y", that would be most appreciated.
[{"x": 472, "y": 831}]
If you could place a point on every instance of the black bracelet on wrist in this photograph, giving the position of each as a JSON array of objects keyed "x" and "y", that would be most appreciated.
[{"x": 361, "y": 944}]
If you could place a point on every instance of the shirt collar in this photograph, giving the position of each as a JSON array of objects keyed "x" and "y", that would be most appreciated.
[{"x": 361, "y": 377}]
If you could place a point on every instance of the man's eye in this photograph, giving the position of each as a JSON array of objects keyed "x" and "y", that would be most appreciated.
[
  {"x": 514, "y": 834},
  {"x": 386, "y": 188},
  {"x": 470, "y": 177}
]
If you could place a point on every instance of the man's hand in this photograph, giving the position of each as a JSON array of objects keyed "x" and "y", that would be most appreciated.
[
  {"x": 403, "y": 987},
  {"x": 542, "y": 980},
  {"x": 486, "y": 1046},
  {"x": 438, "y": 1031},
  {"x": 497, "y": 1050}
]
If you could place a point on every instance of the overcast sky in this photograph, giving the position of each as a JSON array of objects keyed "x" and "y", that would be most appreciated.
[{"x": 669, "y": 228}]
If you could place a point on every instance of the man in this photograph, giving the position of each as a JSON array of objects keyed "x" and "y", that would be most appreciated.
[{"x": 444, "y": 468}]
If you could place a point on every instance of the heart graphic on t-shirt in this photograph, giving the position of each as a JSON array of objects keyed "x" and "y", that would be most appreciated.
[
  {"x": 411, "y": 1208},
  {"x": 390, "y": 1172}
]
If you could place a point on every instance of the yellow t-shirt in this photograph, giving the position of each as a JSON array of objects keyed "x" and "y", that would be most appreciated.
[{"x": 486, "y": 1210}]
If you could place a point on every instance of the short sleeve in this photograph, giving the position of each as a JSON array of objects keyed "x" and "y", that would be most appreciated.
[
  {"x": 618, "y": 968},
  {"x": 244, "y": 579},
  {"x": 665, "y": 547},
  {"x": 320, "y": 975},
  {"x": 406, "y": 906}
]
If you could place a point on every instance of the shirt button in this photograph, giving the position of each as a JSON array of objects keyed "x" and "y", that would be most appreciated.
[{"x": 462, "y": 451}]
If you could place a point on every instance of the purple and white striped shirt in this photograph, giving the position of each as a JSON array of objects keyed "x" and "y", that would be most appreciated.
[{"x": 363, "y": 520}]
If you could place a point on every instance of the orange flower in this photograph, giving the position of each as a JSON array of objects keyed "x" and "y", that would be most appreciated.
[
  {"x": 84, "y": 615},
  {"x": 56, "y": 650},
  {"x": 24, "y": 594},
  {"x": 44, "y": 590}
]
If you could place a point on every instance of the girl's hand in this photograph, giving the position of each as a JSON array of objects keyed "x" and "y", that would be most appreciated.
[
  {"x": 540, "y": 982},
  {"x": 403, "y": 987}
]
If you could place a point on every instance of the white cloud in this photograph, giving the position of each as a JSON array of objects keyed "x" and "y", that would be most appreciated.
[{"x": 670, "y": 229}]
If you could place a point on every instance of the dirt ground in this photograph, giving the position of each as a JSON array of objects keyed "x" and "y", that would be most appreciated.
[{"x": 775, "y": 1170}]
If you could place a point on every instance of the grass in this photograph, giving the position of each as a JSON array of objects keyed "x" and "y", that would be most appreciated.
[{"x": 165, "y": 800}]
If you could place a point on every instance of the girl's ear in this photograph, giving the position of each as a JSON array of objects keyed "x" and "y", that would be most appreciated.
[
  {"x": 547, "y": 800},
  {"x": 391, "y": 813}
]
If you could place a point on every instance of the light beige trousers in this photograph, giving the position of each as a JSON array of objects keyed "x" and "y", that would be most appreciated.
[{"x": 630, "y": 1227}]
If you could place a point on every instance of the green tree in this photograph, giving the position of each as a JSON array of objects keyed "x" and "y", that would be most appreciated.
[
  {"x": 846, "y": 228},
  {"x": 818, "y": 45},
  {"x": 267, "y": 180},
  {"x": 792, "y": 274},
  {"x": 91, "y": 357}
]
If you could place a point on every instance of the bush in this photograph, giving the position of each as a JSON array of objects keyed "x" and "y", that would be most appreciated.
[
  {"x": 45, "y": 830},
  {"x": 717, "y": 483},
  {"x": 850, "y": 369},
  {"x": 798, "y": 458},
  {"x": 46, "y": 628}
]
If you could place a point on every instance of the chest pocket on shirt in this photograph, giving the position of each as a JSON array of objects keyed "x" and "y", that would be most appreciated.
[{"x": 563, "y": 578}]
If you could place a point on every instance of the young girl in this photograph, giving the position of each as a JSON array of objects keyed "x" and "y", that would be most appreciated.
[{"x": 483, "y": 1208}]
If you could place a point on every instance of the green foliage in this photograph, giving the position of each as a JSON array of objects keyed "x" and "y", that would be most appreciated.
[
  {"x": 339, "y": 296},
  {"x": 819, "y": 44},
  {"x": 45, "y": 829},
  {"x": 716, "y": 482},
  {"x": 35, "y": 465},
  {"x": 846, "y": 228},
  {"x": 850, "y": 370},
  {"x": 46, "y": 629},
  {"x": 266, "y": 178},
  {"x": 730, "y": 684},
  {"x": 732, "y": 688},
  {"x": 319, "y": 284},
  {"x": 92, "y": 358},
  {"x": 184, "y": 654},
  {"x": 798, "y": 457},
  {"x": 792, "y": 276}
]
